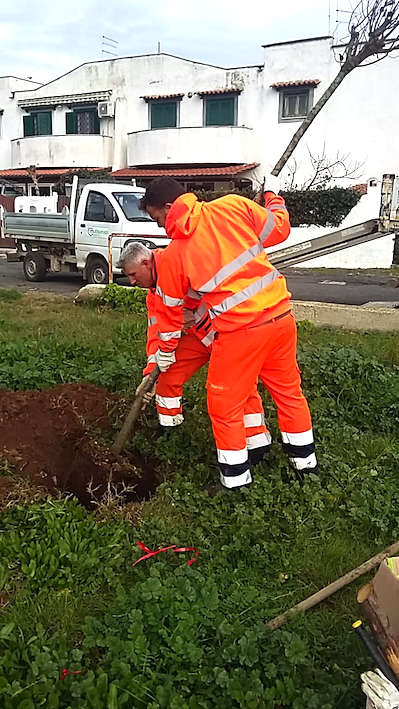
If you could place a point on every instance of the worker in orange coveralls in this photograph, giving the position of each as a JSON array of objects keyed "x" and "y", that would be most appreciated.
[
  {"x": 218, "y": 252},
  {"x": 141, "y": 266}
]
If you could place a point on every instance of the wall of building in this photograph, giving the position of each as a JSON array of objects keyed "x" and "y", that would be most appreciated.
[{"x": 10, "y": 117}]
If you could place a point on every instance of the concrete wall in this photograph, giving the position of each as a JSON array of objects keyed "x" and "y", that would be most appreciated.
[
  {"x": 62, "y": 151},
  {"x": 373, "y": 254},
  {"x": 205, "y": 144},
  {"x": 11, "y": 116}
]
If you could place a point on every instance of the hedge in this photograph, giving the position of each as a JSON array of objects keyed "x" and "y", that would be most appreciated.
[{"x": 308, "y": 207}]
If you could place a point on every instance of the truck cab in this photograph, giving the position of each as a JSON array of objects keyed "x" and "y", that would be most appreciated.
[{"x": 111, "y": 208}]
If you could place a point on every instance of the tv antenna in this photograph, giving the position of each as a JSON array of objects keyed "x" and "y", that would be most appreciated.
[{"x": 109, "y": 42}]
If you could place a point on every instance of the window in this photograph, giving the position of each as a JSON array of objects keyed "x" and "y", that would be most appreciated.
[
  {"x": 44, "y": 190},
  {"x": 83, "y": 121},
  {"x": 99, "y": 209},
  {"x": 38, "y": 123},
  {"x": 130, "y": 205},
  {"x": 221, "y": 111},
  {"x": 163, "y": 114},
  {"x": 295, "y": 104}
]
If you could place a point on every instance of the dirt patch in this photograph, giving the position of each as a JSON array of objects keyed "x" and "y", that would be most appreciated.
[{"x": 48, "y": 437}]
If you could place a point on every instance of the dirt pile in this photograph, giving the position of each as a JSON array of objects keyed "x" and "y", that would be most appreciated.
[{"x": 50, "y": 438}]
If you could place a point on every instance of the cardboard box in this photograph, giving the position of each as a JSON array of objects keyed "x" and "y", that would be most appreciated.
[{"x": 386, "y": 588}]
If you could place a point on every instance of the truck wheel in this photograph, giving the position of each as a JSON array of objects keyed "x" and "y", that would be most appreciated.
[
  {"x": 97, "y": 271},
  {"x": 35, "y": 267}
]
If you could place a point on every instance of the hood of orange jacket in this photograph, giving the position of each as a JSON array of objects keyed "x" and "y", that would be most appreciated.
[{"x": 183, "y": 216}]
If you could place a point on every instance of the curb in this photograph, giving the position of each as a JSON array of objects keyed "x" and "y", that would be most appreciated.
[{"x": 348, "y": 317}]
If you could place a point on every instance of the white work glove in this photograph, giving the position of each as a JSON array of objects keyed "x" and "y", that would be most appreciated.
[
  {"x": 164, "y": 360},
  {"x": 380, "y": 690},
  {"x": 149, "y": 394},
  {"x": 272, "y": 184}
]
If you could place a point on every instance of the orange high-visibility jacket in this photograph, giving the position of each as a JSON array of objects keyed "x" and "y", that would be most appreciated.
[
  {"x": 202, "y": 329},
  {"x": 218, "y": 253}
]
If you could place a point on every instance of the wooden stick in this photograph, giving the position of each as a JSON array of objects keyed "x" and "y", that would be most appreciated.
[
  {"x": 134, "y": 413},
  {"x": 334, "y": 587}
]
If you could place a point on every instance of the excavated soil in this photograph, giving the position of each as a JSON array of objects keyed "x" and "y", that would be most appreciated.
[{"x": 50, "y": 438}]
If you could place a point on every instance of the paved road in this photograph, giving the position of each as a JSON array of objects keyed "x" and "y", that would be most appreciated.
[{"x": 327, "y": 287}]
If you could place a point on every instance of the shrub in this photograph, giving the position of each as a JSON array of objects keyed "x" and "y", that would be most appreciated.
[{"x": 311, "y": 207}]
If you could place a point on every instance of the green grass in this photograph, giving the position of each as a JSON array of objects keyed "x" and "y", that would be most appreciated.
[
  {"x": 162, "y": 634},
  {"x": 9, "y": 294}
]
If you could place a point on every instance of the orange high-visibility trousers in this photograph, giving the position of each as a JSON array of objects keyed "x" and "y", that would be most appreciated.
[
  {"x": 238, "y": 358},
  {"x": 191, "y": 355}
]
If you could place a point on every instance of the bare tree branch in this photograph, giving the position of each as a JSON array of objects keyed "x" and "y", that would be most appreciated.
[{"x": 371, "y": 26}]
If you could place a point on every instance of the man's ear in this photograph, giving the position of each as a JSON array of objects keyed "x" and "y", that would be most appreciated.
[{"x": 168, "y": 206}]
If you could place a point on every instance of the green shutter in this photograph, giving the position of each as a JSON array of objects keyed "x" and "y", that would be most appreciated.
[
  {"x": 220, "y": 111},
  {"x": 164, "y": 115},
  {"x": 71, "y": 123},
  {"x": 44, "y": 126},
  {"x": 29, "y": 126}
]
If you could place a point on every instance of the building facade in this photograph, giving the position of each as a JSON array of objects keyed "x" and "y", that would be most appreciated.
[{"x": 206, "y": 125}]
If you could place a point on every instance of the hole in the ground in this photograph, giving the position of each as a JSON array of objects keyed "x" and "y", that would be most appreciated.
[{"x": 44, "y": 435}]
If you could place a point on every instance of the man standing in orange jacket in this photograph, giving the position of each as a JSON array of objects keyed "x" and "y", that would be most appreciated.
[{"x": 218, "y": 254}]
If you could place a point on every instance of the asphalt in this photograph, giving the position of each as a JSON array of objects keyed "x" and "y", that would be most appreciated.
[{"x": 324, "y": 286}]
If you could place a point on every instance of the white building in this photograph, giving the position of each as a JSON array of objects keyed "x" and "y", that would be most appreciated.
[{"x": 160, "y": 114}]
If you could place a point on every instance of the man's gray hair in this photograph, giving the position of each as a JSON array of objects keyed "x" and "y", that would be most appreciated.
[{"x": 134, "y": 253}]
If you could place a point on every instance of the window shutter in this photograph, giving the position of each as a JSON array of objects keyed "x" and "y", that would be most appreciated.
[
  {"x": 164, "y": 115},
  {"x": 227, "y": 112},
  {"x": 29, "y": 126},
  {"x": 71, "y": 123},
  {"x": 220, "y": 111},
  {"x": 212, "y": 112},
  {"x": 44, "y": 123}
]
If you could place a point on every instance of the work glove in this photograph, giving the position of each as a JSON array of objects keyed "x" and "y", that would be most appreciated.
[
  {"x": 149, "y": 394},
  {"x": 272, "y": 184},
  {"x": 380, "y": 690},
  {"x": 164, "y": 360}
]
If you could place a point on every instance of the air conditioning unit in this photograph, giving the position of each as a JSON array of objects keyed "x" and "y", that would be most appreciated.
[{"x": 106, "y": 109}]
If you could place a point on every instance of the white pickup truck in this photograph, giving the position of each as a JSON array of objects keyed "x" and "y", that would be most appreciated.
[{"x": 78, "y": 240}]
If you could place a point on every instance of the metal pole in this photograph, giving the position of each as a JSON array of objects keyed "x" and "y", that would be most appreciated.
[{"x": 110, "y": 273}]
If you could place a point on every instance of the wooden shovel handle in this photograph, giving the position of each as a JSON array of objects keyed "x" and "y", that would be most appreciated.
[{"x": 134, "y": 412}]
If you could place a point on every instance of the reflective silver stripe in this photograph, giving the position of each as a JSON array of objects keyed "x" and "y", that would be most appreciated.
[
  {"x": 270, "y": 223},
  {"x": 152, "y": 321},
  {"x": 298, "y": 439},
  {"x": 166, "y": 420},
  {"x": 200, "y": 312},
  {"x": 303, "y": 463},
  {"x": 168, "y": 402},
  {"x": 194, "y": 294},
  {"x": 232, "y": 267},
  {"x": 168, "y": 300},
  {"x": 151, "y": 359},
  {"x": 251, "y": 420},
  {"x": 244, "y": 295},
  {"x": 165, "y": 336},
  {"x": 259, "y": 441},
  {"x": 232, "y": 457},
  {"x": 231, "y": 481},
  {"x": 208, "y": 339}
]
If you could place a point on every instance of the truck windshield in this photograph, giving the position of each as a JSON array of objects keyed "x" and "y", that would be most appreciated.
[{"x": 130, "y": 204}]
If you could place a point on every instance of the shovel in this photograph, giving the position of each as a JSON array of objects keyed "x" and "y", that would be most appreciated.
[{"x": 134, "y": 413}]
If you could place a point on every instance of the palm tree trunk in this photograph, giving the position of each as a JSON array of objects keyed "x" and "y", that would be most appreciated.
[{"x": 345, "y": 69}]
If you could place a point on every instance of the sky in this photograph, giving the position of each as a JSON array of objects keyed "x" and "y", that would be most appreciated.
[{"x": 46, "y": 38}]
